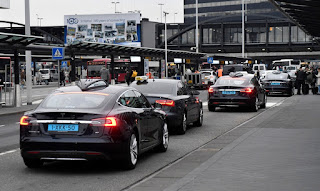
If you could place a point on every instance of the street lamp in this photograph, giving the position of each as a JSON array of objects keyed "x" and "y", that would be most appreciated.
[
  {"x": 40, "y": 18},
  {"x": 242, "y": 29},
  {"x": 197, "y": 30},
  {"x": 174, "y": 17},
  {"x": 165, "y": 41},
  {"x": 161, "y": 4},
  {"x": 115, "y": 5}
]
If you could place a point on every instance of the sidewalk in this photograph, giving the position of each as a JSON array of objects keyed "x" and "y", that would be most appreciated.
[{"x": 278, "y": 150}]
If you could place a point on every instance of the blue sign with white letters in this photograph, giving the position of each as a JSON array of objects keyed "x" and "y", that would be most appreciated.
[
  {"x": 210, "y": 60},
  {"x": 58, "y": 53}
]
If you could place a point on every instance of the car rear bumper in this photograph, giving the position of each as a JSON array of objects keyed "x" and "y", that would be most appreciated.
[
  {"x": 72, "y": 149},
  {"x": 278, "y": 90},
  {"x": 225, "y": 102},
  {"x": 173, "y": 120}
]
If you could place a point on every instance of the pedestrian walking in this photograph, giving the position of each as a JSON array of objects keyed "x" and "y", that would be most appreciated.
[
  {"x": 38, "y": 78},
  {"x": 22, "y": 78},
  {"x": 300, "y": 79},
  {"x": 62, "y": 78},
  {"x": 128, "y": 75},
  {"x": 105, "y": 74},
  {"x": 318, "y": 80}
]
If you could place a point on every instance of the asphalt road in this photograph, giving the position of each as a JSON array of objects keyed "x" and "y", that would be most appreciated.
[{"x": 108, "y": 175}]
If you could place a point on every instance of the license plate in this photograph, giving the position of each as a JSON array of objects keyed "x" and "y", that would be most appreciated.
[
  {"x": 275, "y": 83},
  {"x": 63, "y": 127},
  {"x": 228, "y": 92}
]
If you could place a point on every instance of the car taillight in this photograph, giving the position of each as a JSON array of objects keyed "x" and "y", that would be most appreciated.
[
  {"x": 106, "y": 122},
  {"x": 168, "y": 102},
  {"x": 247, "y": 90},
  {"x": 110, "y": 122},
  {"x": 24, "y": 121},
  {"x": 210, "y": 90}
]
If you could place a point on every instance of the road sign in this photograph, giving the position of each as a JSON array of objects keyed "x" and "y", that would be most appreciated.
[
  {"x": 64, "y": 64},
  {"x": 210, "y": 60},
  {"x": 58, "y": 53}
]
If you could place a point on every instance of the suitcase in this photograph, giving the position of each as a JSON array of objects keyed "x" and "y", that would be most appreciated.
[{"x": 305, "y": 89}]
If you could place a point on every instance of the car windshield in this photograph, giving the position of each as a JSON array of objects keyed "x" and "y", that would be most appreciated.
[
  {"x": 229, "y": 81},
  {"x": 155, "y": 88},
  {"x": 94, "y": 70},
  {"x": 260, "y": 68},
  {"x": 44, "y": 71},
  {"x": 75, "y": 100},
  {"x": 206, "y": 73}
]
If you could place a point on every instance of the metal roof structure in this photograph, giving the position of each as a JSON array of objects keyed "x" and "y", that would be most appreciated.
[
  {"x": 105, "y": 48},
  {"x": 305, "y": 14},
  {"x": 17, "y": 41}
]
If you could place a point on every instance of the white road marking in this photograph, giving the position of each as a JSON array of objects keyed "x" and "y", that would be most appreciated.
[
  {"x": 269, "y": 104},
  {"x": 204, "y": 103},
  {"x": 34, "y": 102},
  {"x": 8, "y": 152},
  {"x": 2, "y": 125}
]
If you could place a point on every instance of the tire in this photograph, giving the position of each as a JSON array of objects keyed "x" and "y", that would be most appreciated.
[
  {"x": 198, "y": 123},
  {"x": 211, "y": 108},
  {"x": 182, "y": 128},
  {"x": 263, "y": 105},
  {"x": 164, "y": 141},
  {"x": 255, "y": 107},
  {"x": 132, "y": 150},
  {"x": 33, "y": 163}
]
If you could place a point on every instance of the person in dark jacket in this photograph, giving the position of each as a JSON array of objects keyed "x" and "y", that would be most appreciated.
[
  {"x": 129, "y": 73},
  {"x": 300, "y": 80},
  {"x": 105, "y": 74},
  {"x": 62, "y": 78}
]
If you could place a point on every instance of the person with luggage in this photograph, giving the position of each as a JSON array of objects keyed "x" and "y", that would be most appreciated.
[
  {"x": 128, "y": 75},
  {"x": 62, "y": 78},
  {"x": 300, "y": 80}
]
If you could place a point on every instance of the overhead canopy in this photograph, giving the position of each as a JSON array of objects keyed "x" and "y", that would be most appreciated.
[
  {"x": 103, "y": 48},
  {"x": 16, "y": 40},
  {"x": 305, "y": 14}
]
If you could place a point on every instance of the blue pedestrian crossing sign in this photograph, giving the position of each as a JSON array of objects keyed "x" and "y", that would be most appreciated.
[
  {"x": 210, "y": 60},
  {"x": 58, "y": 53},
  {"x": 64, "y": 64}
]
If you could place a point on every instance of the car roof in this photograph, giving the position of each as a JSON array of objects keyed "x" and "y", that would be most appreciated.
[
  {"x": 111, "y": 89},
  {"x": 249, "y": 76},
  {"x": 168, "y": 81}
]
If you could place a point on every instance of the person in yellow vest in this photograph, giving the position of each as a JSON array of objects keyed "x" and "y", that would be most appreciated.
[{"x": 134, "y": 74}]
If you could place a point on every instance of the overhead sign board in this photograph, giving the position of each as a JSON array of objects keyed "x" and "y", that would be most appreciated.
[
  {"x": 58, "y": 53},
  {"x": 123, "y": 29},
  {"x": 210, "y": 60}
]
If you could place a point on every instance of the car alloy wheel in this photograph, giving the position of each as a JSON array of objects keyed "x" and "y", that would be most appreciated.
[
  {"x": 134, "y": 149},
  {"x": 164, "y": 141},
  {"x": 183, "y": 126},
  {"x": 199, "y": 122}
]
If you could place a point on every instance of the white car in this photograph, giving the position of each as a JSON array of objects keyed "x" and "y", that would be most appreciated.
[{"x": 209, "y": 77}]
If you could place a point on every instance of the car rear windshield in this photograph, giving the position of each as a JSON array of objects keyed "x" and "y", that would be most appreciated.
[
  {"x": 229, "y": 81},
  {"x": 155, "y": 88},
  {"x": 75, "y": 100},
  {"x": 260, "y": 68},
  {"x": 277, "y": 76},
  {"x": 206, "y": 73},
  {"x": 44, "y": 71}
]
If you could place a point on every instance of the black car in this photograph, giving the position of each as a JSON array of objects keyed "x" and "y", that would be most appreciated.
[
  {"x": 278, "y": 83},
  {"x": 238, "y": 90},
  {"x": 227, "y": 69},
  {"x": 181, "y": 104},
  {"x": 92, "y": 121}
]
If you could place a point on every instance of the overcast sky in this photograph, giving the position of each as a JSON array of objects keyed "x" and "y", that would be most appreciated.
[{"x": 53, "y": 11}]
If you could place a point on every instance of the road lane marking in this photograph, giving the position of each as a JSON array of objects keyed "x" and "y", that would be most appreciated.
[
  {"x": 204, "y": 103},
  {"x": 8, "y": 152},
  {"x": 2, "y": 125},
  {"x": 34, "y": 102},
  {"x": 268, "y": 104}
]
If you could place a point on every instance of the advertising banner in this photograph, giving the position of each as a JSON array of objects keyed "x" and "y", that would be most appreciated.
[
  {"x": 123, "y": 29},
  {"x": 146, "y": 66}
]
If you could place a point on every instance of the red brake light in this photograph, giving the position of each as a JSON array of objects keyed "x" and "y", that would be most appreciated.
[
  {"x": 110, "y": 122},
  {"x": 210, "y": 90},
  {"x": 169, "y": 103},
  {"x": 247, "y": 90},
  {"x": 23, "y": 120}
]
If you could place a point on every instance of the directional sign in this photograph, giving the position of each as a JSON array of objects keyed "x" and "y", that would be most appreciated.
[
  {"x": 210, "y": 60},
  {"x": 58, "y": 53}
]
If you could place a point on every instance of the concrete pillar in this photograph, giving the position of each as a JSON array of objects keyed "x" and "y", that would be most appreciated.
[{"x": 17, "y": 93}]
